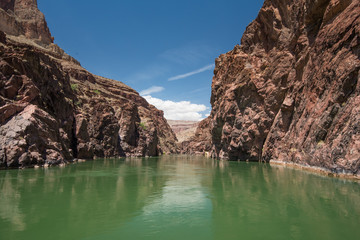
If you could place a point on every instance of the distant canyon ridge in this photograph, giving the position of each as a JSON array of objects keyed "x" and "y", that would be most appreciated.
[{"x": 289, "y": 93}]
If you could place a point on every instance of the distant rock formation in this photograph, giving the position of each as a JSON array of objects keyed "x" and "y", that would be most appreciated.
[
  {"x": 290, "y": 92},
  {"x": 200, "y": 142},
  {"x": 52, "y": 110},
  {"x": 184, "y": 130}
]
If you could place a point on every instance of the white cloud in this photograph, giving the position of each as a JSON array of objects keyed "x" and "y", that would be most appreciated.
[
  {"x": 153, "y": 89},
  {"x": 184, "y": 110},
  {"x": 206, "y": 68}
]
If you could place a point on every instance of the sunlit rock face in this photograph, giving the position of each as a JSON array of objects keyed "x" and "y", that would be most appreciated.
[
  {"x": 23, "y": 18},
  {"x": 52, "y": 110},
  {"x": 290, "y": 91}
]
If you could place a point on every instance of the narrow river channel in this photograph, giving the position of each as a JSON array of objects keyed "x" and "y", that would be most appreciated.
[{"x": 176, "y": 197}]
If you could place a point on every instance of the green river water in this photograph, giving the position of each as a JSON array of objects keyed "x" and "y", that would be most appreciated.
[{"x": 176, "y": 197}]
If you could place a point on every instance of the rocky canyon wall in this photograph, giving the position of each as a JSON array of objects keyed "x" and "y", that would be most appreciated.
[
  {"x": 53, "y": 111},
  {"x": 290, "y": 91}
]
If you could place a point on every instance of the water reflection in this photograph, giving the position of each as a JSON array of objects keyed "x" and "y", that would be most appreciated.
[
  {"x": 77, "y": 198},
  {"x": 9, "y": 205},
  {"x": 261, "y": 202},
  {"x": 175, "y": 197},
  {"x": 183, "y": 191}
]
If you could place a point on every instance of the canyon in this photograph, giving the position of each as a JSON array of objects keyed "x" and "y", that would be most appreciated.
[
  {"x": 87, "y": 157},
  {"x": 288, "y": 94},
  {"x": 53, "y": 111}
]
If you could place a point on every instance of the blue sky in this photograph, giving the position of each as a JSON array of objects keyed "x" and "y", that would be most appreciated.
[{"x": 164, "y": 49}]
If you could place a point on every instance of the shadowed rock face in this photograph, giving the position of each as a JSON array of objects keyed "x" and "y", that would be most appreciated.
[
  {"x": 290, "y": 92},
  {"x": 52, "y": 110}
]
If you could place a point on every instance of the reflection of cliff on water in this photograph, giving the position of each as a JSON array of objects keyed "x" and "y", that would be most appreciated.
[
  {"x": 175, "y": 197},
  {"x": 261, "y": 202},
  {"x": 77, "y": 198}
]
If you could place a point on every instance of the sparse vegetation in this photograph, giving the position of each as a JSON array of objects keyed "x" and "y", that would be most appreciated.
[
  {"x": 142, "y": 125},
  {"x": 74, "y": 87},
  {"x": 68, "y": 100},
  {"x": 293, "y": 150},
  {"x": 78, "y": 102},
  {"x": 320, "y": 143},
  {"x": 97, "y": 91}
]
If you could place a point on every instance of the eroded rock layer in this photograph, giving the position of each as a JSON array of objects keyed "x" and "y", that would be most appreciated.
[
  {"x": 290, "y": 91},
  {"x": 52, "y": 110}
]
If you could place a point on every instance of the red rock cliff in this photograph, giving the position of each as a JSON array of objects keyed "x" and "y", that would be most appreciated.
[
  {"x": 290, "y": 91},
  {"x": 52, "y": 110},
  {"x": 22, "y": 17}
]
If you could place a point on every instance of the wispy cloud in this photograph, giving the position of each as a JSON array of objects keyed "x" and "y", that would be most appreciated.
[
  {"x": 200, "y": 89},
  {"x": 183, "y": 110},
  {"x": 148, "y": 73},
  {"x": 153, "y": 89},
  {"x": 185, "y": 75},
  {"x": 188, "y": 55}
]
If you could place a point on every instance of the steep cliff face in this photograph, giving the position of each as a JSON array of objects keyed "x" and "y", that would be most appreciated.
[
  {"x": 290, "y": 92},
  {"x": 52, "y": 110},
  {"x": 112, "y": 119},
  {"x": 35, "y": 107}
]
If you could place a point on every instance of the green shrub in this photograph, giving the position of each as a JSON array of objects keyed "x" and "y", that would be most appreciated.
[
  {"x": 293, "y": 150},
  {"x": 78, "y": 102},
  {"x": 74, "y": 87},
  {"x": 97, "y": 91},
  {"x": 142, "y": 125}
]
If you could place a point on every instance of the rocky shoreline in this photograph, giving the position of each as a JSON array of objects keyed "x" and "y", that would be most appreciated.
[
  {"x": 306, "y": 168},
  {"x": 316, "y": 170}
]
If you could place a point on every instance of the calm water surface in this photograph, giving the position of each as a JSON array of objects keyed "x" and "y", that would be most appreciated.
[{"x": 176, "y": 197}]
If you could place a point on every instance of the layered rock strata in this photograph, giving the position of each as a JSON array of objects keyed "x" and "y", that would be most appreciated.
[
  {"x": 184, "y": 130},
  {"x": 200, "y": 142},
  {"x": 53, "y": 111},
  {"x": 290, "y": 91}
]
